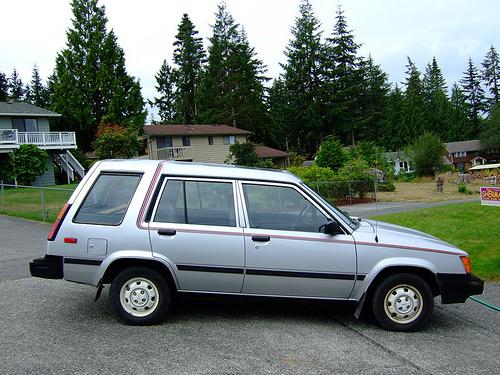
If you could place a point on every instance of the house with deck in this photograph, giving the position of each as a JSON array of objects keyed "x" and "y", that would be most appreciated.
[
  {"x": 23, "y": 123},
  {"x": 202, "y": 143},
  {"x": 466, "y": 154}
]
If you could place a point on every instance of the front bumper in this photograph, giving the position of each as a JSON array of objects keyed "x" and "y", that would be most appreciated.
[
  {"x": 456, "y": 288},
  {"x": 48, "y": 267}
]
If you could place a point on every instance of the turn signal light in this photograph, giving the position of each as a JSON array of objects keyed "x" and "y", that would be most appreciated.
[
  {"x": 58, "y": 222},
  {"x": 466, "y": 263}
]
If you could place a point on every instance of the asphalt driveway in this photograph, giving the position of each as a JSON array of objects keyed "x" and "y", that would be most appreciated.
[{"x": 54, "y": 327}]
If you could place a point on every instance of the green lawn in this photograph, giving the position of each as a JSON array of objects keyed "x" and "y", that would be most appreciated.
[
  {"x": 26, "y": 202},
  {"x": 469, "y": 226}
]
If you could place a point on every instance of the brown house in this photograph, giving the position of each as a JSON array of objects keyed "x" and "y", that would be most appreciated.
[{"x": 466, "y": 154}]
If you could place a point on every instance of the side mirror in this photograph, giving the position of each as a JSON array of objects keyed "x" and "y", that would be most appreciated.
[{"x": 332, "y": 228}]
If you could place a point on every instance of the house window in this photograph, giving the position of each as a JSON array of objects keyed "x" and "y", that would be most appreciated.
[
  {"x": 229, "y": 139},
  {"x": 210, "y": 140},
  {"x": 163, "y": 142},
  {"x": 186, "y": 141},
  {"x": 25, "y": 124}
]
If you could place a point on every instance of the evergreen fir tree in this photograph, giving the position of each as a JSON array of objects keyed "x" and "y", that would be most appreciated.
[
  {"x": 474, "y": 97},
  {"x": 437, "y": 104},
  {"x": 4, "y": 87},
  {"x": 189, "y": 57},
  {"x": 345, "y": 80},
  {"x": 491, "y": 76},
  {"x": 90, "y": 84},
  {"x": 460, "y": 129},
  {"x": 413, "y": 115},
  {"x": 232, "y": 91},
  {"x": 165, "y": 103},
  {"x": 373, "y": 101},
  {"x": 36, "y": 92},
  {"x": 394, "y": 136},
  {"x": 276, "y": 133},
  {"x": 303, "y": 82},
  {"x": 16, "y": 87}
]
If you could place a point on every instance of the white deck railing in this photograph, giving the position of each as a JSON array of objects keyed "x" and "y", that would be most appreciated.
[
  {"x": 174, "y": 153},
  {"x": 9, "y": 137}
]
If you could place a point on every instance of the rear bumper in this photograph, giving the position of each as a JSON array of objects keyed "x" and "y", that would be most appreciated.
[
  {"x": 456, "y": 288},
  {"x": 48, "y": 267}
]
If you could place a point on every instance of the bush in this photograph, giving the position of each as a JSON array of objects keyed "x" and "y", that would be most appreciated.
[
  {"x": 243, "y": 154},
  {"x": 25, "y": 164},
  {"x": 462, "y": 188},
  {"x": 387, "y": 186},
  {"x": 313, "y": 173},
  {"x": 427, "y": 154},
  {"x": 115, "y": 141},
  {"x": 331, "y": 155}
]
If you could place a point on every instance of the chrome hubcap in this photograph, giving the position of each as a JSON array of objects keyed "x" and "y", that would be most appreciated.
[
  {"x": 403, "y": 304},
  {"x": 139, "y": 296}
]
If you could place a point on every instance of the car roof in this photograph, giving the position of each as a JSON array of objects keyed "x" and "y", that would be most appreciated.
[{"x": 209, "y": 170}]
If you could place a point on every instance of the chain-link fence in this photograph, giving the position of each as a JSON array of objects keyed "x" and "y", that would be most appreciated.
[
  {"x": 32, "y": 202},
  {"x": 44, "y": 203},
  {"x": 343, "y": 193}
]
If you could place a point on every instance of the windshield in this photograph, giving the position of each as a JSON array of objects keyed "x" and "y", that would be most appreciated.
[{"x": 341, "y": 214}]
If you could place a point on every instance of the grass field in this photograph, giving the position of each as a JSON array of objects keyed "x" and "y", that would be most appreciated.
[
  {"x": 469, "y": 226},
  {"x": 425, "y": 191},
  {"x": 26, "y": 202}
]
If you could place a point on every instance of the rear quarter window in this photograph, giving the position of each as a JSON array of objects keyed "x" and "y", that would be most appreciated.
[{"x": 107, "y": 201}]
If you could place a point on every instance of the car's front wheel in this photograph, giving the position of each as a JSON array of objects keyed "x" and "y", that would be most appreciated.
[
  {"x": 403, "y": 302},
  {"x": 140, "y": 295}
]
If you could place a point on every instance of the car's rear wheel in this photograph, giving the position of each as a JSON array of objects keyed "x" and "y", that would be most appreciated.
[
  {"x": 403, "y": 302},
  {"x": 140, "y": 295}
]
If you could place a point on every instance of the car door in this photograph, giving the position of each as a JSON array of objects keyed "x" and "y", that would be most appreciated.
[
  {"x": 195, "y": 225},
  {"x": 286, "y": 251}
]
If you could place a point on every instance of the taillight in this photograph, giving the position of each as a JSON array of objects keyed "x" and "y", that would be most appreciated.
[
  {"x": 57, "y": 224},
  {"x": 466, "y": 263}
]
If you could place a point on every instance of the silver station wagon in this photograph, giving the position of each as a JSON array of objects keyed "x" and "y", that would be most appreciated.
[{"x": 153, "y": 229}]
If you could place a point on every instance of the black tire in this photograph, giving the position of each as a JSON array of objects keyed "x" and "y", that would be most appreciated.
[
  {"x": 146, "y": 296},
  {"x": 403, "y": 302}
]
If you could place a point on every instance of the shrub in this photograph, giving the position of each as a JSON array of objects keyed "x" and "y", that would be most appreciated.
[
  {"x": 115, "y": 141},
  {"x": 243, "y": 154},
  {"x": 25, "y": 164},
  {"x": 386, "y": 186},
  {"x": 427, "y": 154},
  {"x": 331, "y": 155},
  {"x": 296, "y": 160},
  {"x": 313, "y": 174},
  {"x": 462, "y": 188}
]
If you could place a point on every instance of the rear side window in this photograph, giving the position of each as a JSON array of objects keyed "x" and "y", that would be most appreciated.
[
  {"x": 108, "y": 199},
  {"x": 197, "y": 202}
]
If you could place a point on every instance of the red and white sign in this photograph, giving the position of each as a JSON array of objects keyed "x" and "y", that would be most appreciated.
[{"x": 490, "y": 196}]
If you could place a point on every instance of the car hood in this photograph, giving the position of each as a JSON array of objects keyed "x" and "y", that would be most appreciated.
[{"x": 397, "y": 235}]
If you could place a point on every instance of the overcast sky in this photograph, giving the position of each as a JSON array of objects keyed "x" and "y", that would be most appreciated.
[{"x": 33, "y": 31}]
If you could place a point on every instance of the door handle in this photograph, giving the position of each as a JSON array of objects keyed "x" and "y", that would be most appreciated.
[
  {"x": 261, "y": 238},
  {"x": 167, "y": 232}
]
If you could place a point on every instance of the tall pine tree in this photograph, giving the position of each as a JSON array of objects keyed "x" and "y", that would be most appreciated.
[
  {"x": 413, "y": 111},
  {"x": 394, "y": 136},
  {"x": 189, "y": 57},
  {"x": 474, "y": 97},
  {"x": 232, "y": 90},
  {"x": 4, "y": 87},
  {"x": 460, "y": 129},
  {"x": 345, "y": 81},
  {"x": 36, "y": 92},
  {"x": 165, "y": 103},
  {"x": 491, "y": 76},
  {"x": 303, "y": 82},
  {"x": 90, "y": 84},
  {"x": 437, "y": 104},
  {"x": 16, "y": 87}
]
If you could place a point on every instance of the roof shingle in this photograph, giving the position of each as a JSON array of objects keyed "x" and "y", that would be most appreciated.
[
  {"x": 179, "y": 130},
  {"x": 16, "y": 109}
]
